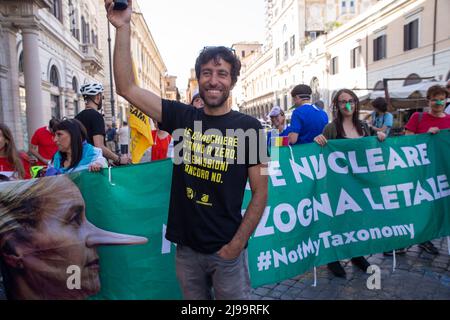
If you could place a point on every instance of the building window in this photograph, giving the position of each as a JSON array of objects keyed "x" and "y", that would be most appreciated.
[
  {"x": 93, "y": 36},
  {"x": 355, "y": 57},
  {"x": 56, "y": 9},
  {"x": 243, "y": 53},
  {"x": 56, "y": 106},
  {"x": 277, "y": 57},
  {"x": 83, "y": 30},
  {"x": 411, "y": 35},
  {"x": 76, "y": 103},
  {"x": 285, "y": 51},
  {"x": 54, "y": 99},
  {"x": 21, "y": 62},
  {"x": 54, "y": 78},
  {"x": 334, "y": 65},
  {"x": 292, "y": 45},
  {"x": 315, "y": 89},
  {"x": 23, "y": 113},
  {"x": 73, "y": 17},
  {"x": 344, "y": 6},
  {"x": 379, "y": 48},
  {"x": 352, "y": 6},
  {"x": 88, "y": 35}
]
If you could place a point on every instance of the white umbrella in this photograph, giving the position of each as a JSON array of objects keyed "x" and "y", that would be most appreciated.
[
  {"x": 414, "y": 90},
  {"x": 417, "y": 90}
]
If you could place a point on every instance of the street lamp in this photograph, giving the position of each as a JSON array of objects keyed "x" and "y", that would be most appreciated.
[{"x": 113, "y": 111}]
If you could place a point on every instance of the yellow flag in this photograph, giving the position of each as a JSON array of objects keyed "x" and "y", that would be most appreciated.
[{"x": 140, "y": 129}]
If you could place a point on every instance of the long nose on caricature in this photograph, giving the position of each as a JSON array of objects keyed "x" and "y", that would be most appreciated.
[{"x": 99, "y": 237}]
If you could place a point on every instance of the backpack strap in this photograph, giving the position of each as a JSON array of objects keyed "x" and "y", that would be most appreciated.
[
  {"x": 365, "y": 128},
  {"x": 418, "y": 121}
]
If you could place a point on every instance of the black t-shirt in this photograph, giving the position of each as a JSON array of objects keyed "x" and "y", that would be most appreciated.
[
  {"x": 208, "y": 186},
  {"x": 93, "y": 122}
]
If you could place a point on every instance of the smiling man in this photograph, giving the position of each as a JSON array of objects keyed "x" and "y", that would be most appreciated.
[{"x": 216, "y": 151}]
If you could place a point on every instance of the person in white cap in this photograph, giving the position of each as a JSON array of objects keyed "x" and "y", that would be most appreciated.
[
  {"x": 278, "y": 119},
  {"x": 197, "y": 101},
  {"x": 94, "y": 123}
]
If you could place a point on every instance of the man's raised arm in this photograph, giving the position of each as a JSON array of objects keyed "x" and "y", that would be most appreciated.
[{"x": 146, "y": 101}]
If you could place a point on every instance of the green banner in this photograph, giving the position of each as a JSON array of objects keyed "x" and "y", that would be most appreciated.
[
  {"x": 135, "y": 201},
  {"x": 350, "y": 198}
]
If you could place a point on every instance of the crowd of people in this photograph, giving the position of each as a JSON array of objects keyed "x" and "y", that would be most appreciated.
[
  {"x": 71, "y": 145},
  {"x": 308, "y": 123}
]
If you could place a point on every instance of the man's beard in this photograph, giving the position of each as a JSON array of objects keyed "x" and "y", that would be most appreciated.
[
  {"x": 100, "y": 105},
  {"x": 216, "y": 104}
]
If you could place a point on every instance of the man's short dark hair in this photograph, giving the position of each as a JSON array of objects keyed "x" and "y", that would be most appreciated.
[
  {"x": 436, "y": 90},
  {"x": 124, "y": 123},
  {"x": 302, "y": 90},
  {"x": 216, "y": 53},
  {"x": 53, "y": 123},
  {"x": 380, "y": 104}
]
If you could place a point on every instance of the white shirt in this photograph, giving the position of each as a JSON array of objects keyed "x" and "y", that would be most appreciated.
[{"x": 124, "y": 135}]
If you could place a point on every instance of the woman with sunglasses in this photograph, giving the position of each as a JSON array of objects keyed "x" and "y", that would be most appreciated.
[{"x": 346, "y": 125}]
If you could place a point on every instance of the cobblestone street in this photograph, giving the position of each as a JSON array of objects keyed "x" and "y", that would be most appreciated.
[{"x": 418, "y": 276}]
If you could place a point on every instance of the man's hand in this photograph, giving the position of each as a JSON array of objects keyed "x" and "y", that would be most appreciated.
[
  {"x": 124, "y": 159},
  {"x": 229, "y": 252},
  {"x": 433, "y": 130},
  {"x": 118, "y": 18},
  {"x": 321, "y": 140},
  {"x": 95, "y": 167},
  {"x": 293, "y": 137},
  {"x": 381, "y": 136}
]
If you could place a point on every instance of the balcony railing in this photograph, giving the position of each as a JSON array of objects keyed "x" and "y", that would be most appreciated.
[{"x": 91, "y": 58}]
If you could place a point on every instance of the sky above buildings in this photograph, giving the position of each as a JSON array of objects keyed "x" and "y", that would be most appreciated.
[{"x": 181, "y": 28}]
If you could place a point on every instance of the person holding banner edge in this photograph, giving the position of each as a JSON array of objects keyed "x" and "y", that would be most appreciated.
[
  {"x": 430, "y": 122},
  {"x": 205, "y": 217},
  {"x": 346, "y": 125}
]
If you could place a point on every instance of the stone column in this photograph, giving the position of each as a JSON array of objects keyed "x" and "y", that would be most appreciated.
[
  {"x": 32, "y": 73},
  {"x": 10, "y": 91}
]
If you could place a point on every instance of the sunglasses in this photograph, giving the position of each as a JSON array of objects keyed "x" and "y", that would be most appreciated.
[{"x": 343, "y": 103}]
